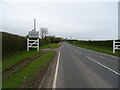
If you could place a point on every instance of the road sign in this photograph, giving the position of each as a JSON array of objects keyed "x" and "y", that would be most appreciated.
[{"x": 33, "y": 34}]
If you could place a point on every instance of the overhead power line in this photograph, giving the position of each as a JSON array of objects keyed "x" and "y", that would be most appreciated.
[{"x": 24, "y": 14}]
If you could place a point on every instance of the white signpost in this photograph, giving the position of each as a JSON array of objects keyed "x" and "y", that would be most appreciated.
[
  {"x": 116, "y": 45},
  {"x": 33, "y": 39}
]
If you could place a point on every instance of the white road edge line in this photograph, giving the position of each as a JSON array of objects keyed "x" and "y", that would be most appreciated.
[
  {"x": 56, "y": 72},
  {"x": 103, "y": 66},
  {"x": 78, "y": 52}
]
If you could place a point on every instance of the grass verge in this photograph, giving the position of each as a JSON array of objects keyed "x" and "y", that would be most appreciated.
[
  {"x": 17, "y": 80},
  {"x": 99, "y": 49},
  {"x": 52, "y": 45},
  {"x": 12, "y": 60}
]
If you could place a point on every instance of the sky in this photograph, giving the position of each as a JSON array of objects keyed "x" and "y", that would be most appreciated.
[{"x": 71, "y": 19}]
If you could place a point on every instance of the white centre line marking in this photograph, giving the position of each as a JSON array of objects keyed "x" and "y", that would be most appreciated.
[
  {"x": 56, "y": 71},
  {"x": 78, "y": 52},
  {"x": 103, "y": 66}
]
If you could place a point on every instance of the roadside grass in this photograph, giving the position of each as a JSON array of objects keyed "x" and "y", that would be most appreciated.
[
  {"x": 12, "y": 60},
  {"x": 52, "y": 45},
  {"x": 17, "y": 80},
  {"x": 99, "y": 49}
]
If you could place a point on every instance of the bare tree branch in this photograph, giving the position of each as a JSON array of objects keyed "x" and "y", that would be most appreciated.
[{"x": 43, "y": 32}]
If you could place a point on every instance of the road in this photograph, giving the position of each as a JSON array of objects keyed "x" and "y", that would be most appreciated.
[{"x": 83, "y": 68}]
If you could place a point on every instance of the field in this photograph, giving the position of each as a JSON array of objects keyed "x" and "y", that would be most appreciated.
[{"x": 100, "y": 46}]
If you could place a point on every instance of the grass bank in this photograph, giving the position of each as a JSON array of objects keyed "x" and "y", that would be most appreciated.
[
  {"x": 100, "y": 48},
  {"x": 18, "y": 79},
  {"x": 52, "y": 45},
  {"x": 19, "y": 56}
]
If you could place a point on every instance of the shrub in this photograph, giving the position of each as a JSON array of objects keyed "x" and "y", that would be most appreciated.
[{"x": 12, "y": 43}]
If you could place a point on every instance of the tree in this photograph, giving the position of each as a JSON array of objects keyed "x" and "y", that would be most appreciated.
[{"x": 43, "y": 32}]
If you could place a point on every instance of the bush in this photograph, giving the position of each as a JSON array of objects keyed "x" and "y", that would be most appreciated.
[
  {"x": 104, "y": 44},
  {"x": 12, "y": 43}
]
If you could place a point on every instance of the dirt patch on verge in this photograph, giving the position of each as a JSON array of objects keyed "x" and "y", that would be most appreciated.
[{"x": 23, "y": 62}]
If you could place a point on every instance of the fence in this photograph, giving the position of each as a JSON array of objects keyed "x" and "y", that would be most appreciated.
[
  {"x": 116, "y": 46},
  {"x": 32, "y": 44}
]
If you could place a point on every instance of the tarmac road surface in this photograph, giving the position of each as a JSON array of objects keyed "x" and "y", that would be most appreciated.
[{"x": 83, "y": 68}]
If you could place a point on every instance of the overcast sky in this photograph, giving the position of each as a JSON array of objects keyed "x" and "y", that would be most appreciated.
[{"x": 78, "y": 20}]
